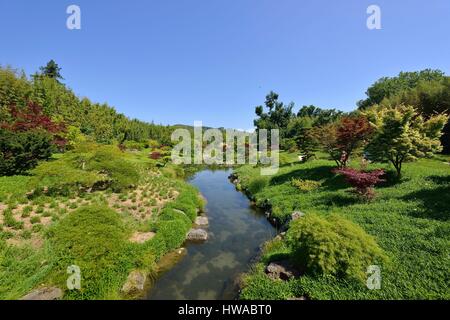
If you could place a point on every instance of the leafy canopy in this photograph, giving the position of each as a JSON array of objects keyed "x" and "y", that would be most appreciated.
[{"x": 402, "y": 134}]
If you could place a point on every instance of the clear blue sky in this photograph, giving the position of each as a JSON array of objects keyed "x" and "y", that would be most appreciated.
[{"x": 215, "y": 60}]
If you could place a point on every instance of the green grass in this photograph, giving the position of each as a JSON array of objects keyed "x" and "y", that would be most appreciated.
[
  {"x": 22, "y": 269},
  {"x": 94, "y": 237},
  {"x": 409, "y": 220}
]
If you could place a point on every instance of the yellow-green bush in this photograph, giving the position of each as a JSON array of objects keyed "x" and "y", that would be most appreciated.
[
  {"x": 305, "y": 185},
  {"x": 333, "y": 246}
]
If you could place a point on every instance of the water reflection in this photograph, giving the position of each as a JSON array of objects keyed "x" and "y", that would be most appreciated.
[{"x": 209, "y": 270}]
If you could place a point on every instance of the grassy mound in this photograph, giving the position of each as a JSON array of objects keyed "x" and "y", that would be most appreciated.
[{"x": 333, "y": 246}]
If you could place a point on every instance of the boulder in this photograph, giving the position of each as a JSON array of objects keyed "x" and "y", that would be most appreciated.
[
  {"x": 46, "y": 293},
  {"x": 135, "y": 282},
  {"x": 197, "y": 235},
  {"x": 297, "y": 215},
  {"x": 282, "y": 270},
  {"x": 201, "y": 221}
]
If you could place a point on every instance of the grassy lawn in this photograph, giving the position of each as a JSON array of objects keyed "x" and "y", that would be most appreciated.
[{"x": 409, "y": 220}]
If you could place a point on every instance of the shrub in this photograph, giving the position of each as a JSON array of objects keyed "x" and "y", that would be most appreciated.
[
  {"x": 95, "y": 239},
  {"x": 305, "y": 185},
  {"x": 155, "y": 155},
  {"x": 257, "y": 184},
  {"x": 363, "y": 182},
  {"x": 89, "y": 166},
  {"x": 28, "y": 137},
  {"x": 21, "y": 151},
  {"x": 133, "y": 145},
  {"x": 333, "y": 246},
  {"x": 173, "y": 232}
]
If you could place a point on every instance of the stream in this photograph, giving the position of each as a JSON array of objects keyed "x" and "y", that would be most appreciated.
[{"x": 209, "y": 270}]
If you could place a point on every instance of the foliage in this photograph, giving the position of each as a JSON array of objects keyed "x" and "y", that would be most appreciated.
[
  {"x": 21, "y": 151},
  {"x": 51, "y": 70},
  {"x": 401, "y": 134},
  {"x": 257, "y": 184},
  {"x": 97, "y": 121},
  {"x": 318, "y": 116},
  {"x": 305, "y": 185},
  {"x": 343, "y": 138},
  {"x": 27, "y": 136},
  {"x": 89, "y": 166},
  {"x": 363, "y": 182},
  {"x": 333, "y": 246},
  {"x": 429, "y": 98},
  {"x": 306, "y": 143},
  {"x": 427, "y": 90},
  {"x": 387, "y": 87},
  {"x": 277, "y": 117}
]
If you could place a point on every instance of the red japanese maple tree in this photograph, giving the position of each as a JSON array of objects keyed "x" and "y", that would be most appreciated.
[{"x": 363, "y": 182}]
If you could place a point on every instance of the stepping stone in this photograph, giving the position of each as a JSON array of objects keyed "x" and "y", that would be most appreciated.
[
  {"x": 135, "y": 282},
  {"x": 201, "y": 221},
  {"x": 197, "y": 235}
]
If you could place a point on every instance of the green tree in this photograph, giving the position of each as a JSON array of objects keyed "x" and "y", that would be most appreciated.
[
  {"x": 402, "y": 134},
  {"x": 277, "y": 116},
  {"x": 51, "y": 70},
  {"x": 429, "y": 98},
  {"x": 21, "y": 151},
  {"x": 387, "y": 87}
]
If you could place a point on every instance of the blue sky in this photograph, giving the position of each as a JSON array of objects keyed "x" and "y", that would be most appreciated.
[{"x": 215, "y": 60}]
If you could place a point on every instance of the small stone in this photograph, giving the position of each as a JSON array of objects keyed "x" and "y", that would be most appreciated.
[
  {"x": 135, "y": 282},
  {"x": 282, "y": 270},
  {"x": 297, "y": 299},
  {"x": 142, "y": 237},
  {"x": 46, "y": 293},
  {"x": 297, "y": 215},
  {"x": 197, "y": 235},
  {"x": 201, "y": 221}
]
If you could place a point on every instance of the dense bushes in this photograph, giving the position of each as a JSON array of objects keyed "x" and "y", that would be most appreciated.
[
  {"x": 257, "y": 184},
  {"x": 21, "y": 151},
  {"x": 27, "y": 136},
  {"x": 333, "y": 246},
  {"x": 87, "y": 166}
]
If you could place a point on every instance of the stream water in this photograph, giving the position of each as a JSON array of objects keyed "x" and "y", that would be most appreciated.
[{"x": 236, "y": 230}]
